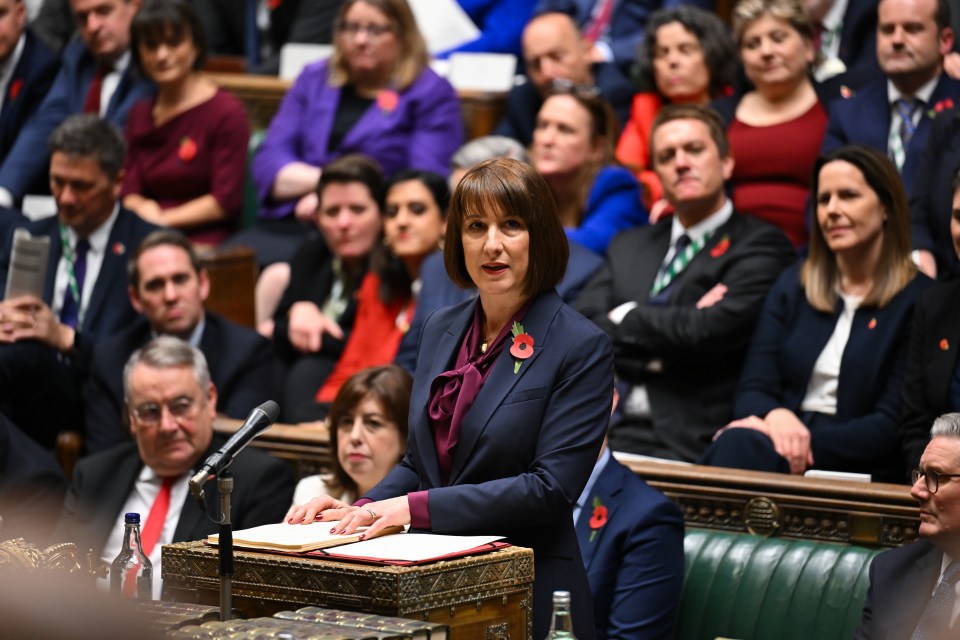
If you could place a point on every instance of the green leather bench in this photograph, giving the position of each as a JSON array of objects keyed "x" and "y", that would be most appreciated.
[{"x": 752, "y": 588}]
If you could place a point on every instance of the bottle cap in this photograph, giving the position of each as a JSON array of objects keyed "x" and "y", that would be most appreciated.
[
  {"x": 131, "y": 518},
  {"x": 561, "y": 597}
]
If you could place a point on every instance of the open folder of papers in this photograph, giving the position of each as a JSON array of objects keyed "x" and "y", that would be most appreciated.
[{"x": 405, "y": 548}]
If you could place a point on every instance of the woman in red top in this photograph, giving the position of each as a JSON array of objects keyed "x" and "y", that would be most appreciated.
[
  {"x": 187, "y": 147},
  {"x": 776, "y": 129},
  {"x": 687, "y": 56}
]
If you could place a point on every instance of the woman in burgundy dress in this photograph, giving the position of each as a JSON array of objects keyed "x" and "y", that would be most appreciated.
[
  {"x": 187, "y": 147},
  {"x": 775, "y": 129}
]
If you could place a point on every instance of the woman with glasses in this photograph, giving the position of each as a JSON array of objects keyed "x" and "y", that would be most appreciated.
[
  {"x": 776, "y": 128},
  {"x": 687, "y": 55},
  {"x": 821, "y": 384},
  {"x": 375, "y": 96},
  {"x": 572, "y": 149},
  {"x": 187, "y": 146}
]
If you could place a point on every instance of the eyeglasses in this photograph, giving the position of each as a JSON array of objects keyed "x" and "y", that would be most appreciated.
[
  {"x": 583, "y": 91},
  {"x": 931, "y": 478},
  {"x": 353, "y": 29},
  {"x": 151, "y": 413}
]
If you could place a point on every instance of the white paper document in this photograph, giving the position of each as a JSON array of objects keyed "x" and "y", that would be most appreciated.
[
  {"x": 28, "y": 264},
  {"x": 412, "y": 547},
  {"x": 443, "y": 23},
  {"x": 292, "y": 537}
]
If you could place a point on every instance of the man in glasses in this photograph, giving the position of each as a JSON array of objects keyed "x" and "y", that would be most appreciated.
[
  {"x": 171, "y": 405},
  {"x": 914, "y": 589}
]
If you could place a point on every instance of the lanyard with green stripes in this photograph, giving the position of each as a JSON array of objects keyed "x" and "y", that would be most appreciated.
[
  {"x": 70, "y": 256},
  {"x": 679, "y": 263}
]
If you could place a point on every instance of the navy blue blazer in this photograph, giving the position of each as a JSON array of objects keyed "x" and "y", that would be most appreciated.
[
  {"x": 109, "y": 309},
  {"x": 28, "y": 160},
  {"x": 526, "y": 448},
  {"x": 29, "y": 84},
  {"x": 931, "y": 196},
  {"x": 901, "y": 581},
  {"x": 241, "y": 367},
  {"x": 863, "y": 434},
  {"x": 931, "y": 367},
  {"x": 635, "y": 560},
  {"x": 865, "y": 119}
]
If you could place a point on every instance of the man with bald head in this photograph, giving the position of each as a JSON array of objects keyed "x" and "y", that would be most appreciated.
[
  {"x": 554, "y": 50},
  {"x": 913, "y": 589}
]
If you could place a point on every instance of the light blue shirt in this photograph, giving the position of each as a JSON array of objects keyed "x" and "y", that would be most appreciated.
[{"x": 597, "y": 470}]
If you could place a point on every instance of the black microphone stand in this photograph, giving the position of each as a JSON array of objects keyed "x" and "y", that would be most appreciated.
[{"x": 225, "y": 545}]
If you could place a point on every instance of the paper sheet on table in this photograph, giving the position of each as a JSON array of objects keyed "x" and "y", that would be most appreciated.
[
  {"x": 296, "y": 538},
  {"x": 443, "y": 23},
  {"x": 412, "y": 547}
]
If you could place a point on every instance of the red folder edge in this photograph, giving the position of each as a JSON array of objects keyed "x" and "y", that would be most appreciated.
[{"x": 331, "y": 554}]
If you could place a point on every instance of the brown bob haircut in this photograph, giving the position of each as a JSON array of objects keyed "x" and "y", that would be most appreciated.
[
  {"x": 509, "y": 187},
  {"x": 391, "y": 387},
  {"x": 895, "y": 269},
  {"x": 167, "y": 22}
]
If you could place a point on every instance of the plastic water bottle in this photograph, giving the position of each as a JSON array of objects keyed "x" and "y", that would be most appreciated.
[
  {"x": 561, "y": 625},
  {"x": 131, "y": 574}
]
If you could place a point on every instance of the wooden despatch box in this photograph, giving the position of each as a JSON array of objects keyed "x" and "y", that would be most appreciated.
[{"x": 482, "y": 597}]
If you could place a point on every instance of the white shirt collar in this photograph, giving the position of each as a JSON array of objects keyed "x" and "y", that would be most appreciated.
[
  {"x": 833, "y": 20},
  {"x": 923, "y": 93},
  {"x": 711, "y": 223},
  {"x": 98, "y": 239}
]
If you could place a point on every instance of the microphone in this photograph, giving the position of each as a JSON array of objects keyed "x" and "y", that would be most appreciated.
[{"x": 259, "y": 420}]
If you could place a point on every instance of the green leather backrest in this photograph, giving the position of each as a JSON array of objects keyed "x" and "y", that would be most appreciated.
[{"x": 752, "y": 588}]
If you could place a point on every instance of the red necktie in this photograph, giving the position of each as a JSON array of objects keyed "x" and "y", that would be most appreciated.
[
  {"x": 92, "y": 103},
  {"x": 601, "y": 18}
]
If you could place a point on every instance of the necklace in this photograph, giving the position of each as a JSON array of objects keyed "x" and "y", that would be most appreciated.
[{"x": 486, "y": 341}]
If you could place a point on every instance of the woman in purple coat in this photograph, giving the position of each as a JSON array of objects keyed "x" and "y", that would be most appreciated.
[{"x": 374, "y": 96}]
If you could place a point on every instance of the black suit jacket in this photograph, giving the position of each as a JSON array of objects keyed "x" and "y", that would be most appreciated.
[
  {"x": 931, "y": 196},
  {"x": 31, "y": 80},
  {"x": 901, "y": 582},
  {"x": 262, "y": 492},
  {"x": 239, "y": 359},
  {"x": 931, "y": 363},
  {"x": 701, "y": 350}
]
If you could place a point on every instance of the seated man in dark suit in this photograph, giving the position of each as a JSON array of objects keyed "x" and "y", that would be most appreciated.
[
  {"x": 631, "y": 542},
  {"x": 895, "y": 112},
  {"x": 168, "y": 285},
  {"x": 913, "y": 589},
  {"x": 32, "y": 485},
  {"x": 45, "y": 342},
  {"x": 680, "y": 298},
  {"x": 95, "y": 77},
  {"x": 554, "y": 50},
  {"x": 171, "y": 405}
]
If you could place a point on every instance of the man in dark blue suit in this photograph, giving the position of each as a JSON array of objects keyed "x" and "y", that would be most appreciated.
[
  {"x": 169, "y": 285},
  {"x": 631, "y": 541},
  {"x": 95, "y": 77},
  {"x": 28, "y": 69},
  {"x": 45, "y": 341},
  {"x": 895, "y": 113},
  {"x": 913, "y": 589}
]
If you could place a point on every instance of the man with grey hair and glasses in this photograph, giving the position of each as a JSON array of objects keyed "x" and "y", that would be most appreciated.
[
  {"x": 914, "y": 590},
  {"x": 171, "y": 405}
]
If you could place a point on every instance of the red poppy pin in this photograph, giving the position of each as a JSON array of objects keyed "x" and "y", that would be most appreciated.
[
  {"x": 522, "y": 346},
  {"x": 118, "y": 249},
  {"x": 387, "y": 100},
  {"x": 846, "y": 92},
  {"x": 273, "y": 5},
  {"x": 943, "y": 105},
  {"x": 944, "y": 345},
  {"x": 15, "y": 87},
  {"x": 721, "y": 247},
  {"x": 872, "y": 324},
  {"x": 187, "y": 150},
  {"x": 598, "y": 519}
]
